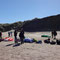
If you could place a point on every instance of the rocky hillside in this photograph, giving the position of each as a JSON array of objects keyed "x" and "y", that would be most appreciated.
[
  {"x": 7, "y": 27},
  {"x": 44, "y": 24}
]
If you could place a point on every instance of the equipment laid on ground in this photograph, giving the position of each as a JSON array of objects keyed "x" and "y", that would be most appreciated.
[
  {"x": 47, "y": 41},
  {"x": 45, "y": 36},
  {"x": 39, "y": 42},
  {"x": 8, "y": 39},
  {"x": 58, "y": 42},
  {"x": 52, "y": 42},
  {"x": 28, "y": 40},
  {"x": 34, "y": 40}
]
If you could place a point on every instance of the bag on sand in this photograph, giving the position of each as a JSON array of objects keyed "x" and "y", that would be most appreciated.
[
  {"x": 47, "y": 41},
  {"x": 39, "y": 42},
  {"x": 52, "y": 42},
  {"x": 58, "y": 42}
]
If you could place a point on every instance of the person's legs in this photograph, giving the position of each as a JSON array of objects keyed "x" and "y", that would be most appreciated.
[
  {"x": 16, "y": 39},
  {"x": 8, "y": 35},
  {"x": 54, "y": 37},
  {"x": 11, "y": 34},
  {"x": 21, "y": 40}
]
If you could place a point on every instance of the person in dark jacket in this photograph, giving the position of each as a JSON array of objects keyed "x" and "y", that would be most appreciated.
[
  {"x": 21, "y": 35},
  {"x": 15, "y": 35},
  {"x": 0, "y": 34},
  {"x": 54, "y": 33},
  {"x": 8, "y": 34}
]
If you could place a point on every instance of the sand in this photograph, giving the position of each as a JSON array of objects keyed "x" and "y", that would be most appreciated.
[{"x": 30, "y": 51}]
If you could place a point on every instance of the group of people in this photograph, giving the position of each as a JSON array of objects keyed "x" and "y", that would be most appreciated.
[
  {"x": 21, "y": 35},
  {"x": 9, "y": 33}
]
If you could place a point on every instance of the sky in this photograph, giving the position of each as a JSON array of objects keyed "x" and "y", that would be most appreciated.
[{"x": 21, "y": 10}]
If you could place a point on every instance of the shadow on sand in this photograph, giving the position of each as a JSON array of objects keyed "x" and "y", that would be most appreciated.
[
  {"x": 18, "y": 44},
  {"x": 14, "y": 45},
  {"x": 10, "y": 44}
]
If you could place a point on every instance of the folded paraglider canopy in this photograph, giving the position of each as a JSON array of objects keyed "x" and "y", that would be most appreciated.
[
  {"x": 28, "y": 40},
  {"x": 8, "y": 39},
  {"x": 45, "y": 36}
]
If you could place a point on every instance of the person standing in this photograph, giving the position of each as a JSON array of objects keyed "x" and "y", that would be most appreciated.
[
  {"x": 21, "y": 35},
  {"x": 54, "y": 33},
  {"x": 8, "y": 34},
  {"x": 0, "y": 34},
  {"x": 11, "y": 33},
  {"x": 15, "y": 36}
]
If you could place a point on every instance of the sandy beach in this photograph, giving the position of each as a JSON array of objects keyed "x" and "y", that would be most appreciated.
[{"x": 30, "y": 51}]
